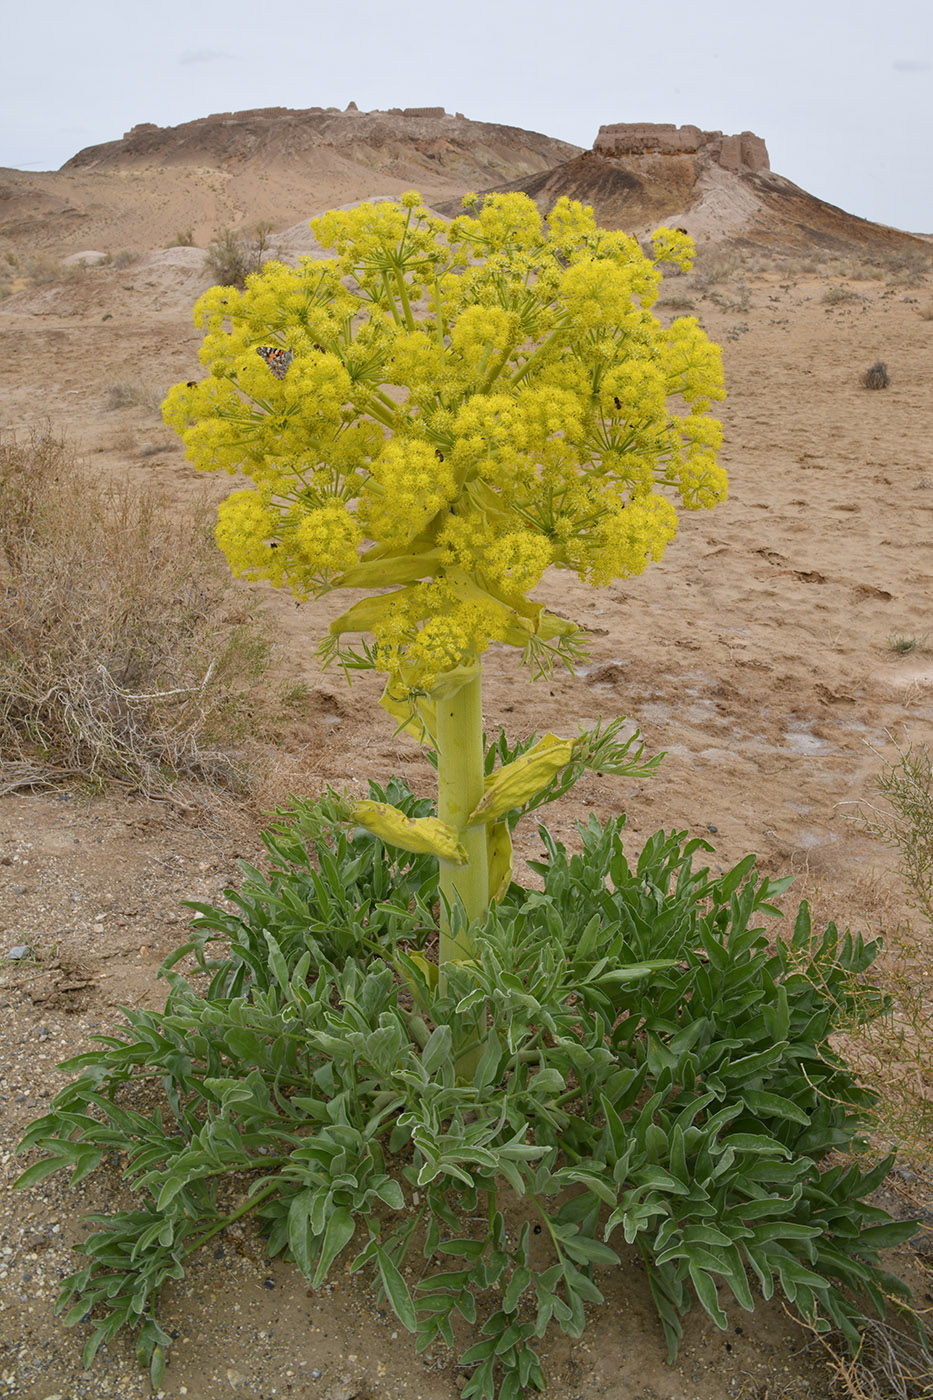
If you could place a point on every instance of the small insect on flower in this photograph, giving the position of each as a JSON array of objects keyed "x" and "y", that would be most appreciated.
[{"x": 277, "y": 359}]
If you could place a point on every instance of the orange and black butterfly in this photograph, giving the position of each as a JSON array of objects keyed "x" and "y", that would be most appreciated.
[{"x": 277, "y": 359}]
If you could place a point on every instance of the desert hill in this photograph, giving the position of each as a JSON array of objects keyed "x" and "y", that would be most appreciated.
[
  {"x": 235, "y": 168},
  {"x": 640, "y": 174}
]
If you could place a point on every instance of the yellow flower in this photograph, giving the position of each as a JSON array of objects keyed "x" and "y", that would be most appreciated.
[
  {"x": 409, "y": 484},
  {"x": 328, "y": 539},
  {"x": 464, "y": 405}
]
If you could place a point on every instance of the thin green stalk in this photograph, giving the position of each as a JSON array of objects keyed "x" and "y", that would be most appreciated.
[
  {"x": 374, "y": 408},
  {"x": 439, "y": 311},
  {"x": 383, "y": 398},
  {"x": 245, "y": 1209},
  {"x": 537, "y": 354},
  {"x": 403, "y": 296}
]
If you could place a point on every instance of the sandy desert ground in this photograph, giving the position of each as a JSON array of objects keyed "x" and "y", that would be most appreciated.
[{"x": 759, "y": 655}]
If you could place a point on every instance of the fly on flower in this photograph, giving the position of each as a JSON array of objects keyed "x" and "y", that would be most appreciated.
[{"x": 277, "y": 359}]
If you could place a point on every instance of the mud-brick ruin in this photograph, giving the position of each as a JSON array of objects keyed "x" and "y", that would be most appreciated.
[{"x": 744, "y": 152}]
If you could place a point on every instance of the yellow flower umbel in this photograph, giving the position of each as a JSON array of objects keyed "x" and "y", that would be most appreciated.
[{"x": 460, "y": 406}]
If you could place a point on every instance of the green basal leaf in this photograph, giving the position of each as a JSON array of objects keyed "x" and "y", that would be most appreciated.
[
  {"x": 438, "y": 1049},
  {"x": 396, "y": 1291},
  {"x": 706, "y": 1292},
  {"x": 339, "y": 1232}
]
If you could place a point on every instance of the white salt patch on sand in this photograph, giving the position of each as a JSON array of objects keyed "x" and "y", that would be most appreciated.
[{"x": 798, "y": 739}]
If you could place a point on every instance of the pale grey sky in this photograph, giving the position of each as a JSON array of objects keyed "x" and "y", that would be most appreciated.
[{"x": 841, "y": 90}]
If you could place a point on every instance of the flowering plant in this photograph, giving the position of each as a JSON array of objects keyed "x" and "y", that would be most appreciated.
[
  {"x": 438, "y": 414},
  {"x": 435, "y": 417}
]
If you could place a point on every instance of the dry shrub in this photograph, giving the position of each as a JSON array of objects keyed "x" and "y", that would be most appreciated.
[
  {"x": 838, "y": 296},
  {"x": 876, "y": 376},
  {"x": 903, "y": 820},
  {"x": 719, "y": 263},
  {"x": 118, "y": 261},
  {"x": 126, "y": 654},
  {"x": 890, "y": 1365},
  {"x": 228, "y": 259},
  {"x": 676, "y": 303},
  {"x": 738, "y": 300},
  {"x": 907, "y": 267},
  {"x": 231, "y": 256},
  {"x": 896, "y": 1050},
  {"x": 126, "y": 393}
]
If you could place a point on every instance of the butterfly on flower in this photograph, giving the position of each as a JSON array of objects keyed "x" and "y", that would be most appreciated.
[{"x": 277, "y": 359}]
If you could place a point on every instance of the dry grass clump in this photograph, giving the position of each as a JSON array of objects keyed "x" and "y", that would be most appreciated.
[
  {"x": 904, "y": 820},
  {"x": 895, "y": 1051},
  {"x": 838, "y": 296},
  {"x": 905, "y": 644},
  {"x": 890, "y": 1365},
  {"x": 675, "y": 302},
  {"x": 716, "y": 264},
  {"x": 118, "y": 261},
  {"x": 19, "y": 273},
  {"x": 125, "y": 653},
  {"x": 894, "y": 1054},
  {"x": 739, "y": 299},
  {"x": 125, "y": 393},
  {"x": 876, "y": 376},
  {"x": 8, "y": 271},
  {"x": 907, "y": 267}
]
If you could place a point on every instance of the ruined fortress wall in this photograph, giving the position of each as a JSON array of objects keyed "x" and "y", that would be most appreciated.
[{"x": 744, "y": 152}]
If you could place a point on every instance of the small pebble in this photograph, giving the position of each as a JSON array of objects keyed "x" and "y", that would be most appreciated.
[{"x": 21, "y": 950}]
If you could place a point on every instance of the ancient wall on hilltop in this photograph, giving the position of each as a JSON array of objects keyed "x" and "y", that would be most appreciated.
[{"x": 743, "y": 152}]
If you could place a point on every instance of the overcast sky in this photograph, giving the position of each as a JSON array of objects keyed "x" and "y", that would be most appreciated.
[{"x": 841, "y": 90}]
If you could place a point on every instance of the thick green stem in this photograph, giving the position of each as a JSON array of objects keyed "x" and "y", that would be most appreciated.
[{"x": 459, "y": 789}]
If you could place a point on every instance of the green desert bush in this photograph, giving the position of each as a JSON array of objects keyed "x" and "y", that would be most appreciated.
[
  {"x": 124, "y": 653},
  {"x": 232, "y": 256},
  {"x": 905, "y": 644},
  {"x": 627, "y": 1052},
  {"x": 228, "y": 259}
]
